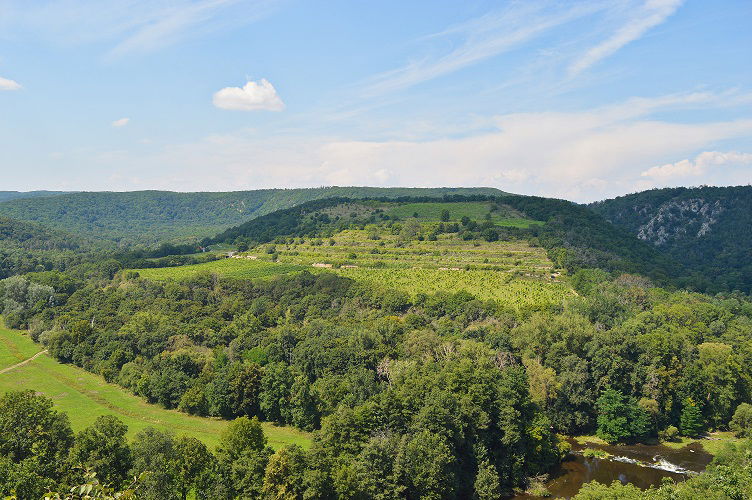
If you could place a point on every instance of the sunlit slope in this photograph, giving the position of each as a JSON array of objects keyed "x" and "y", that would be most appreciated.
[
  {"x": 512, "y": 272},
  {"x": 84, "y": 396}
]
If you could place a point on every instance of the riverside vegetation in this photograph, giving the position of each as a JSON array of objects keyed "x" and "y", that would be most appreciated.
[{"x": 473, "y": 334}]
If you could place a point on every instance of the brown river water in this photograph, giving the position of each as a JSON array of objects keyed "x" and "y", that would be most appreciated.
[{"x": 641, "y": 465}]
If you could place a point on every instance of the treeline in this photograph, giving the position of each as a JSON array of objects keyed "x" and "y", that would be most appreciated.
[
  {"x": 27, "y": 247},
  {"x": 395, "y": 407},
  {"x": 40, "y": 455}
]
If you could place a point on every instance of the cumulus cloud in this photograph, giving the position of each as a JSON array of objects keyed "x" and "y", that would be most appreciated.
[
  {"x": 651, "y": 14},
  {"x": 121, "y": 122},
  {"x": 6, "y": 84},
  {"x": 699, "y": 165},
  {"x": 252, "y": 96}
]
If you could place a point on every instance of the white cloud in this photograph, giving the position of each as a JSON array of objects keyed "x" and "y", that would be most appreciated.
[
  {"x": 650, "y": 14},
  {"x": 583, "y": 156},
  {"x": 252, "y": 96},
  {"x": 699, "y": 165},
  {"x": 6, "y": 84},
  {"x": 122, "y": 122}
]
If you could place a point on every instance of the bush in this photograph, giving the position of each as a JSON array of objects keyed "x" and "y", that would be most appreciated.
[
  {"x": 594, "y": 453},
  {"x": 669, "y": 434},
  {"x": 741, "y": 422}
]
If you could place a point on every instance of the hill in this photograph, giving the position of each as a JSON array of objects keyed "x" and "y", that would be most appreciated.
[
  {"x": 704, "y": 228},
  {"x": 27, "y": 247},
  {"x": 12, "y": 195},
  {"x": 574, "y": 236},
  {"x": 147, "y": 217}
]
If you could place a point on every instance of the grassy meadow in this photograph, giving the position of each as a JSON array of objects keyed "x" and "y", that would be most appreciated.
[{"x": 84, "y": 396}]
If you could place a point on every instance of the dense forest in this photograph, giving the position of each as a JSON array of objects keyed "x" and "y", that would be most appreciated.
[
  {"x": 13, "y": 195},
  {"x": 407, "y": 395},
  {"x": 27, "y": 247},
  {"x": 705, "y": 228}
]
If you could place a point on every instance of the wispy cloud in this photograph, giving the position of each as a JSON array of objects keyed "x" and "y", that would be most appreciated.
[
  {"x": 650, "y": 14},
  {"x": 122, "y": 122},
  {"x": 6, "y": 84},
  {"x": 129, "y": 26},
  {"x": 480, "y": 39},
  {"x": 179, "y": 19}
]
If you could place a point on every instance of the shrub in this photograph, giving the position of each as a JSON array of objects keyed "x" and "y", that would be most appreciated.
[
  {"x": 741, "y": 422},
  {"x": 670, "y": 433}
]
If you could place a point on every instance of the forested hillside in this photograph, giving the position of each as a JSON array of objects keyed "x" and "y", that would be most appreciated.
[
  {"x": 12, "y": 195},
  {"x": 707, "y": 229},
  {"x": 440, "y": 348},
  {"x": 574, "y": 236},
  {"x": 148, "y": 217},
  {"x": 26, "y": 247}
]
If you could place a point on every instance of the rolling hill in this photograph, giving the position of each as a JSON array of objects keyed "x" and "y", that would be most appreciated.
[
  {"x": 13, "y": 195},
  {"x": 573, "y": 236},
  {"x": 27, "y": 247},
  {"x": 147, "y": 217},
  {"x": 704, "y": 228}
]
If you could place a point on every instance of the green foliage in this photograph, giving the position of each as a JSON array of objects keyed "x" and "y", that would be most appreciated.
[
  {"x": 705, "y": 228},
  {"x": 669, "y": 434},
  {"x": 103, "y": 448},
  {"x": 741, "y": 423},
  {"x": 146, "y": 217},
  {"x": 154, "y": 453},
  {"x": 691, "y": 421},
  {"x": 243, "y": 456},
  {"x": 620, "y": 418}
]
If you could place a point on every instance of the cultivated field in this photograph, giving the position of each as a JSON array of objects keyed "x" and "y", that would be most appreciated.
[
  {"x": 84, "y": 396},
  {"x": 512, "y": 272},
  {"x": 235, "y": 268}
]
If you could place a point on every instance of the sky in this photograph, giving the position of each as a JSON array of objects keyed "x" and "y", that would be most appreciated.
[{"x": 582, "y": 100}]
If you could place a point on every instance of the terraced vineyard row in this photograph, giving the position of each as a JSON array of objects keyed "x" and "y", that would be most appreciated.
[{"x": 512, "y": 272}]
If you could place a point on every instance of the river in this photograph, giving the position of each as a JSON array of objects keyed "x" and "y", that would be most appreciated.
[{"x": 641, "y": 465}]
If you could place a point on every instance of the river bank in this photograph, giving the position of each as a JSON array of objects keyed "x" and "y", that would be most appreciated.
[{"x": 643, "y": 465}]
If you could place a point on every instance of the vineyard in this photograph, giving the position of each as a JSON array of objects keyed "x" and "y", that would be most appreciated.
[
  {"x": 235, "y": 268},
  {"x": 499, "y": 215},
  {"x": 512, "y": 272}
]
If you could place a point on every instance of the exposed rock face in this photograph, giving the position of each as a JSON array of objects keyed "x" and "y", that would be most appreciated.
[{"x": 679, "y": 219}]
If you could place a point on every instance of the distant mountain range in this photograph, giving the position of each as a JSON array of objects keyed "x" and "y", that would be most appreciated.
[
  {"x": 147, "y": 217},
  {"x": 13, "y": 195}
]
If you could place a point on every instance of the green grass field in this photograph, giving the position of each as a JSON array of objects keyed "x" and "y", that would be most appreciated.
[{"x": 84, "y": 396}]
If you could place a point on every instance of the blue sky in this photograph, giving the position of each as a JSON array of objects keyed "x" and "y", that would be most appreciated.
[{"x": 579, "y": 99}]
